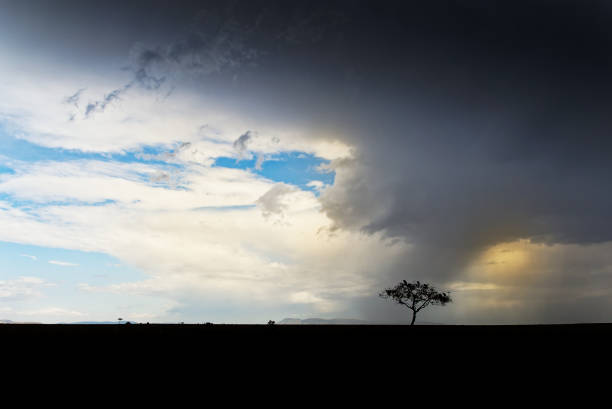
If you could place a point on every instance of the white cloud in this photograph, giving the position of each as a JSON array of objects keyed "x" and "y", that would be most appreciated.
[
  {"x": 53, "y": 312},
  {"x": 62, "y": 263},
  {"x": 177, "y": 221},
  {"x": 33, "y": 107},
  {"x": 133, "y": 184},
  {"x": 316, "y": 185},
  {"x": 276, "y": 200},
  {"x": 22, "y": 288},
  {"x": 192, "y": 255}
]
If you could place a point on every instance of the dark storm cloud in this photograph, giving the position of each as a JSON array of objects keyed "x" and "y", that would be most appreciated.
[
  {"x": 215, "y": 38},
  {"x": 489, "y": 125},
  {"x": 474, "y": 122},
  {"x": 74, "y": 98},
  {"x": 241, "y": 144},
  {"x": 100, "y": 105},
  {"x": 495, "y": 127}
]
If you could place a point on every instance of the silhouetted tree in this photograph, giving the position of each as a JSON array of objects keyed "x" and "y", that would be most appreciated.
[
  {"x": 119, "y": 319},
  {"x": 416, "y": 296},
  {"x": 271, "y": 322}
]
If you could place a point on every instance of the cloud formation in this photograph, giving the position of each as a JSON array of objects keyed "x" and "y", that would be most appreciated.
[
  {"x": 273, "y": 201},
  {"x": 469, "y": 141},
  {"x": 484, "y": 144},
  {"x": 21, "y": 288},
  {"x": 241, "y": 144},
  {"x": 62, "y": 263}
]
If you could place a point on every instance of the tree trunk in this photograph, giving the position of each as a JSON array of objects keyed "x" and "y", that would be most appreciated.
[{"x": 413, "y": 317}]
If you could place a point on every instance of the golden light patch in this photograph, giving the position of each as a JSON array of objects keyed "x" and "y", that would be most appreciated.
[{"x": 506, "y": 258}]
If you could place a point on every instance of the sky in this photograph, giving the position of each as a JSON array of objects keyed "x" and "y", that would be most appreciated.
[{"x": 231, "y": 161}]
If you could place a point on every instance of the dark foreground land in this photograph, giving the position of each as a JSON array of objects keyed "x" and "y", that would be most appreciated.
[
  {"x": 401, "y": 356},
  {"x": 304, "y": 340}
]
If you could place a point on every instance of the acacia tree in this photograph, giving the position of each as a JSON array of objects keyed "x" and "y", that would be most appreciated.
[{"x": 416, "y": 296}]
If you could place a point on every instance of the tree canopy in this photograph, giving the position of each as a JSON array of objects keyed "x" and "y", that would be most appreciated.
[{"x": 416, "y": 296}]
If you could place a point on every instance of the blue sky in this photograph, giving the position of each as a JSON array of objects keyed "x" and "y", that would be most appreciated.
[
  {"x": 57, "y": 292},
  {"x": 295, "y": 168},
  {"x": 62, "y": 265}
]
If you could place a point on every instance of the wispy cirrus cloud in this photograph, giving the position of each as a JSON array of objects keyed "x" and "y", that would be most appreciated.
[
  {"x": 62, "y": 263},
  {"x": 52, "y": 312}
]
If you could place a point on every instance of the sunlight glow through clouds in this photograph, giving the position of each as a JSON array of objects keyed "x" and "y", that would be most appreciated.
[{"x": 507, "y": 258}]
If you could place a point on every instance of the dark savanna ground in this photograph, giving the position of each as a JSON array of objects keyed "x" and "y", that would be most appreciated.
[
  {"x": 452, "y": 342},
  {"x": 310, "y": 361}
]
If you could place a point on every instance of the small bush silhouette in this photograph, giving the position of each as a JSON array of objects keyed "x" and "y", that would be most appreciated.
[{"x": 271, "y": 322}]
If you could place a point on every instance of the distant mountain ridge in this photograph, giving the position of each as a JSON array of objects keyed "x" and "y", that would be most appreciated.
[
  {"x": 342, "y": 321},
  {"x": 321, "y": 321},
  {"x": 98, "y": 322},
  {"x": 16, "y": 322},
  {"x": 285, "y": 321}
]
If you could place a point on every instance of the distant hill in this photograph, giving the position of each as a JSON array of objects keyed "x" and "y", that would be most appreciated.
[
  {"x": 321, "y": 321},
  {"x": 67, "y": 323},
  {"x": 343, "y": 321},
  {"x": 15, "y": 322},
  {"x": 98, "y": 322}
]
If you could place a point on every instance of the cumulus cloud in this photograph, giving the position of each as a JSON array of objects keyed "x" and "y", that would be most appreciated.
[
  {"x": 190, "y": 256},
  {"x": 241, "y": 144},
  {"x": 273, "y": 202},
  {"x": 316, "y": 185},
  {"x": 189, "y": 249}
]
